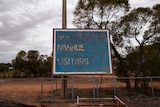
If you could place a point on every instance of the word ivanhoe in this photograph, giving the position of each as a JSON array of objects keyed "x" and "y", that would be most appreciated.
[{"x": 72, "y": 48}]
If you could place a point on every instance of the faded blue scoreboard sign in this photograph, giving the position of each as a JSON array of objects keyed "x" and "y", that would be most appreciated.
[{"x": 81, "y": 52}]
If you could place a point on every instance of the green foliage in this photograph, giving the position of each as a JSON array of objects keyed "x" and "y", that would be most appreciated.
[
  {"x": 4, "y": 67},
  {"x": 134, "y": 22},
  {"x": 19, "y": 62},
  {"x": 154, "y": 28},
  {"x": 32, "y": 62},
  {"x": 125, "y": 27},
  {"x": 103, "y": 14},
  {"x": 151, "y": 60},
  {"x": 149, "y": 64},
  {"x": 98, "y": 13}
]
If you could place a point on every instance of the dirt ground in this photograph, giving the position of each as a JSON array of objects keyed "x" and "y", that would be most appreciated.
[{"x": 37, "y": 92}]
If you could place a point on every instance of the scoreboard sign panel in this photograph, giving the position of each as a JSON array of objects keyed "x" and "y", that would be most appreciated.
[{"x": 81, "y": 52}]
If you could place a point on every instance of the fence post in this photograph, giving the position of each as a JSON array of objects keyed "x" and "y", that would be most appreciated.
[
  {"x": 114, "y": 86},
  {"x": 41, "y": 88},
  {"x": 52, "y": 89},
  {"x": 72, "y": 89},
  {"x": 152, "y": 87},
  {"x": 97, "y": 89},
  {"x": 77, "y": 101},
  {"x": 93, "y": 82}
]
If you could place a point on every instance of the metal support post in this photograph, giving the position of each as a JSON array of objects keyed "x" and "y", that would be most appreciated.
[{"x": 64, "y": 26}]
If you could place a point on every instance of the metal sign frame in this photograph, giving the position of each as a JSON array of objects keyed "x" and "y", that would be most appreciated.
[{"x": 81, "y": 51}]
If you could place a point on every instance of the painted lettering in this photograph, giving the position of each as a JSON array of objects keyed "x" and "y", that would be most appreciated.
[
  {"x": 70, "y": 47},
  {"x": 72, "y": 61}
]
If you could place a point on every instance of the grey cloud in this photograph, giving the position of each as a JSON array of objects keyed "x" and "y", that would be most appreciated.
[
  {"x": 28, "y": 24},
  {"x": 17, "y": 17},
  {"x": 21, "y": 19}
]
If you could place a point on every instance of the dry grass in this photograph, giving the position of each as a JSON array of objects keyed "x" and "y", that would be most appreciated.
[{"x": 31, "y": 91}]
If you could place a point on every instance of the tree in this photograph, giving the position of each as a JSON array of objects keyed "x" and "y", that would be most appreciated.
[
  {"x": 4, "y": 67},
  {"x": 32, "y": 62},
  {"x": 132, "y": 25},
  {"x": 45, "y": 67},
  {"x": 103, "y": 14},
  {"x": 98, "y": 13},
  {"x": 151, "y": 61},
  {"x": 154, "y": 29},
  {"x": 48, "y": 66},
  {"x": 19, "y": 61},
  {"x": 144, "y": 23}
]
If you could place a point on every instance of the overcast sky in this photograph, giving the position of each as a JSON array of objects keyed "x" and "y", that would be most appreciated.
[{"x": 28, "y": 24}]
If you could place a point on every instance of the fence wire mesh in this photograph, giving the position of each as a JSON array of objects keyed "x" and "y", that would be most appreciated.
[{"x": 49, "y": 89}]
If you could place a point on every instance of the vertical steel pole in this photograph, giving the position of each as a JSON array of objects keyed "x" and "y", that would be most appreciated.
[
  {"x": 52, "y": 78},
  {"x": 41, "y": 88},
  {"x": 94, "y": 92},
  {"x": 97, "y": 89},
  {"x": 64, "y": 14},
  {"x": 114, "y": 86},
  {"x": 152, "y": 88},
  {"x": 64, "y": 26},
  {"x": 72, "y": 89}
]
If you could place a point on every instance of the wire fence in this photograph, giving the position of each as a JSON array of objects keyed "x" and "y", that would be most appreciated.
[{"x": 49, "y": 89}]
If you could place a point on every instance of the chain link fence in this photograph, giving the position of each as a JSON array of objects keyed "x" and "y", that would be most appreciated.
[{"x": 49, "y": 89}]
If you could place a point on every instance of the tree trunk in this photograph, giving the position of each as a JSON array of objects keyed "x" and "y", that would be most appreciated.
[
  {"x": 140, "y": 67},
  {"x": 125, "y": 72},
  {"x": 136, "y": 82}
]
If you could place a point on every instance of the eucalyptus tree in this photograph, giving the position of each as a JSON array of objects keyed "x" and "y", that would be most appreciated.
[
  {"x": 44, "y": 64},
  {"x": 103, "y": 14},
  {"x": 153, "y": 33},
  {"x": 151, "y": 62},
  {"x": 19, "y": 61},
  {"x": 4, "y": 67},
  {"x": 139, "y": 25},
  {"x": 152, "y": 59},
  {"x": 98, "y": 13},
  {"x": 32, "y": 62}
]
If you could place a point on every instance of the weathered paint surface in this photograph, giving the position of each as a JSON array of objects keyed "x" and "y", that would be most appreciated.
[{"x": 81, "y": 52}]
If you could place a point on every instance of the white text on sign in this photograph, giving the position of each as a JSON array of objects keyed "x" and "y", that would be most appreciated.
[
  {"x": 73, "y": 61},
  {"x": 70, "y": 47}
]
